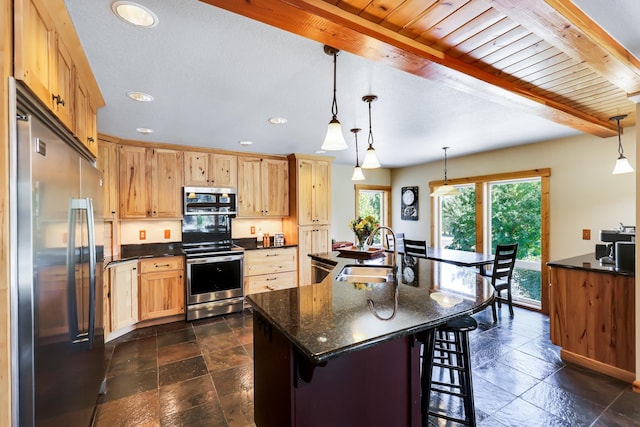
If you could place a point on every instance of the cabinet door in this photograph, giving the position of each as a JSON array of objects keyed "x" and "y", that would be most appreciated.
[
  {"x": 82, "y": 102},
  {"x": 250, "y": 187},
  {"x": 63, "y": 92},
  {"x": 305, "y": 193},
  {"x": 161, "y": 294},
  {"x": 92, "y": 127},
  {"x": 124, "y": 294},
  {"x": 321, "y": 192},
  {"x": 311, "y": 240},
  {"x": 133, "y": 178},
  {"x": 166, "y": 183},
  {"x": 275, "y": 187},
  {"x": 34, "y": 48},
  {"x": 108, "y": 164},
  {"x": 224, "y": 170},
  {"x": 196, "y": 169}
]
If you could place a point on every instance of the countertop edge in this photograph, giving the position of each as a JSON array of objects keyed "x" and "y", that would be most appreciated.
[{"x": 588, "y": 262}]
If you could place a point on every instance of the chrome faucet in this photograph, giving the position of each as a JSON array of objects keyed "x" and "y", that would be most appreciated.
[{"x": 395, "y": 244}]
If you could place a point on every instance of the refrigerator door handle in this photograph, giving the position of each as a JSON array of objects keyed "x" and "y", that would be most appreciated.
[{"x": 86, "y": 205}]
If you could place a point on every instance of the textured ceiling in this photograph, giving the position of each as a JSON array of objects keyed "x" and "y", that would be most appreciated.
[{"x": 217, "y": 77}]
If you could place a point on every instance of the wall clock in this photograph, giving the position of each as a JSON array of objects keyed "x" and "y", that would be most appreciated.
[{"x": 409, "y": 203}]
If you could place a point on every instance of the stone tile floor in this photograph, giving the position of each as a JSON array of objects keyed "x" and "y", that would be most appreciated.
[{"x": 201, "y": 374}]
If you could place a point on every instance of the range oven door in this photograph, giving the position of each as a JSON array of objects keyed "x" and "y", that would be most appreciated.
[{"x": 214, "y": 278}]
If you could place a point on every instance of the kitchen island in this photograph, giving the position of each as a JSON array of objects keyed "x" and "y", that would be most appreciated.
[
  {"x": 341, "y": 353},
  {"x": 592, "y": 315}
]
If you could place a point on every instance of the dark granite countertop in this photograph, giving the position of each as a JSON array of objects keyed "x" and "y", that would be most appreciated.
[
  {"x": 332, "y": 318},
  {"x": 588, "y": 262}
]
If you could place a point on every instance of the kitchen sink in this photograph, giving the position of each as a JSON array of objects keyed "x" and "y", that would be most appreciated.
[{"x": 366, "y": 274}]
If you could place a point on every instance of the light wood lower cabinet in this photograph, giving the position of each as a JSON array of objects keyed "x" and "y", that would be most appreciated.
[
  {"x": 312, "y": 240},
  {"x": 269, "y": 270},
  {"x": 123, "y": 292},
  {"x": 161, "y": 291},
  {"x": 593, "y": 319}
]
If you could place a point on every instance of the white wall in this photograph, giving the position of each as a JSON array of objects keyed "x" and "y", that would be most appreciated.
[
  {"x": 583, "y": 192},
  {"x": 343, "y": 197}
]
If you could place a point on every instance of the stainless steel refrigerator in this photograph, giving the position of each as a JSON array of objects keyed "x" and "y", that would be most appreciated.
[{"x": 57, "y": 233}]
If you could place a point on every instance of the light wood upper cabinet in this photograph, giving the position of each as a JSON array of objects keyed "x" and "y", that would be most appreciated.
[
  {"x": 35, "y": 51},
  {"x": 210, "y": 169},
  {"x": 166, "y": 183},
  {"x": 150, "y": 182},
  {"x": 108, "y": 165},
  {"x": 314, "y": 197},
  {"x": 161, "y": 287},
  {"x": 263, "y": 187},
  {"x": 133, "y": 178},
  {"x": 63, "y": 98},
  {"x": 50, "y": 61}
]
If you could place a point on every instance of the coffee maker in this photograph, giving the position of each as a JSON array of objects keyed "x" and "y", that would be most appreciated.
[{"x": 617, "y": 247}]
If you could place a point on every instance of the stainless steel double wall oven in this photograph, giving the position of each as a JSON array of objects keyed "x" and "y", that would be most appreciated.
[{"x": 215, "y": 266}]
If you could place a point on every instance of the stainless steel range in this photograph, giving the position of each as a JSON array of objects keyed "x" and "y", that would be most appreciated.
[{"x": 215, "y": 267}]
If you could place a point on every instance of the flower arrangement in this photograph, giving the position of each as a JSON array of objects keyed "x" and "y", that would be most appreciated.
[{"x": 362, "y": 227}]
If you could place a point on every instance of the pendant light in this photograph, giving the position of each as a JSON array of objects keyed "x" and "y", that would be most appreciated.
[
  {"x": 370, "y": 159},
  {"x": 334, "y": 141},
  {"x": 622, "y": 164},
  {"x": 445, "y": 189},
  {"x": 357, "y": 171}
]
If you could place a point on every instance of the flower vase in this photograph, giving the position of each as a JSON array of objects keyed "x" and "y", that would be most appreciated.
[{"x": 362, "y": 239}]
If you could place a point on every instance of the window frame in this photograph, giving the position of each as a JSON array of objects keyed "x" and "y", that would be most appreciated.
[{"x": 482, "y": 193}]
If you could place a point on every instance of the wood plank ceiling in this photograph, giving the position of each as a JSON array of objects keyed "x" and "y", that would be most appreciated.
[{"x": 546, "y": 57}]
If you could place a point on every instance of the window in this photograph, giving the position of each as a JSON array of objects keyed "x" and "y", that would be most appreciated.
[
  {"x": 374, "y": 200},
  {"x": 496, "y": 209}
]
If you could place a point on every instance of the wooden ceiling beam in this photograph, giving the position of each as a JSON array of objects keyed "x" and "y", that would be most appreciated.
[{"x": 325, "y": 23}]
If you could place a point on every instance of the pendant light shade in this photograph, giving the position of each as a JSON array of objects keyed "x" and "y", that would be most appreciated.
[
  {"x": 334, "y": 141},
  {"x": 370, "y": 159},
  {"x": 622, "y": 164},
  {"x": 357, "y": 171},
  {"x": 445, "y": 189}
]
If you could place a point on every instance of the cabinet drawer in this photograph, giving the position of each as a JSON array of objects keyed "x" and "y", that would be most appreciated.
[
  {"x": 266, "y": 261},
  {"x": 161, "y": 264},
  {"x": 269, "y": 282}
]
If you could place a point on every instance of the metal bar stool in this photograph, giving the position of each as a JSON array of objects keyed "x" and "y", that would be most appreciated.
[{"x": 447, "y": 348}]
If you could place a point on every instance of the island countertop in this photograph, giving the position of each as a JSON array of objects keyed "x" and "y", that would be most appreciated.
[{"x": 332, "y": 318}]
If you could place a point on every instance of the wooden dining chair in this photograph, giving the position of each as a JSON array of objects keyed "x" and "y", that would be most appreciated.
[
  {"x": 501, "y": 275},
  {"x": 399, "y": 241},
  {"x": 417, "y": 248}
]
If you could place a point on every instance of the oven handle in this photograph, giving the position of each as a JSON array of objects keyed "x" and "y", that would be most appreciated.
[{"x": 206, "y": 260}]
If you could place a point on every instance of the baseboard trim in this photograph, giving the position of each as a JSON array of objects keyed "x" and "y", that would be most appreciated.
[{"x": 603, "y": 368}]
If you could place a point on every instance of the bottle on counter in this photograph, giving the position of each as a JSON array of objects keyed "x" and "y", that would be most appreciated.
[{"x": 266, "y": 240}]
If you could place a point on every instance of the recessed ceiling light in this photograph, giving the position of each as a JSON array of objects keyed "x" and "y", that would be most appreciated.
[
  {"x": 144, "y": 130},
  {"x": 245, "y": 142},
  {"x": 135, "y": 14},
  {"x": 140, "y": 96},
  {"x": 277, "y": 120}
]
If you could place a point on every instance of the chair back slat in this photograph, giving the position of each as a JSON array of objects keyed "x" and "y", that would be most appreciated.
[
  {"x": 416, "y": 248},
  {"x": 505, "y": 260},
  {"x": 399, "y": 241}
]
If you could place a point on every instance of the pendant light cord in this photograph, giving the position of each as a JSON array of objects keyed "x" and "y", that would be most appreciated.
[
  {"x": 445, "y": 164},
  {"x": 357, "y": 159},
  {"x": 370, "y": 138},
  {"x": 620, "y": 150},
  {"x": 334, "y": 105}
]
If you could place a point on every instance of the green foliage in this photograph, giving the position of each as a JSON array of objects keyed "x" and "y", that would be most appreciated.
[
  {"x": 459, "y": 219},
  {"x": 516, "y": 217},
  {"x": 369, "y": 204}
]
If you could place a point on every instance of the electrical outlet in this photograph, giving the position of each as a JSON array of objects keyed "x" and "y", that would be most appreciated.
[
  {"x": 167, "y": 234},
  {"x": 586, "y": 234},
  {"x": 143, "y": 234},
  {"x": 253, "y": 230}
]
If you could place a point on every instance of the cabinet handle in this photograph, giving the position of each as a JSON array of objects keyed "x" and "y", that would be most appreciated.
[
  {"x": 58, "y": 99},
  {"x": 134, "y": 268},
  {"x": 271, "y": 278},
  {"x": 162, "y": 265},
  {"x": 271, "y": 288},
  {"x": 90, "y": 139},
  {"x": 272, "y": 254}
]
